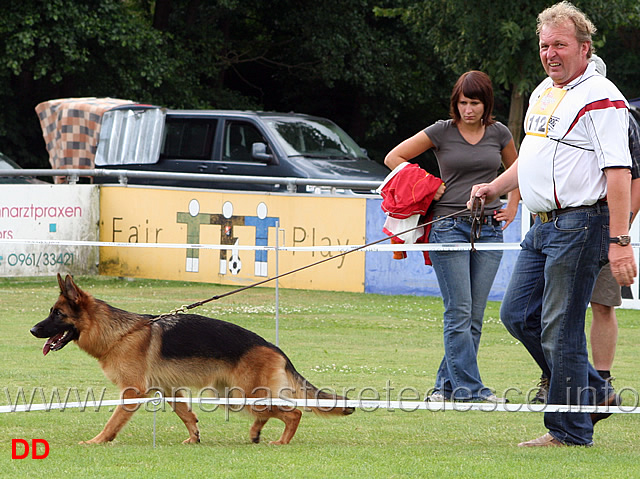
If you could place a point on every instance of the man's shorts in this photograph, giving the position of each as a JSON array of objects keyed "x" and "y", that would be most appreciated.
[{"x": 607, "y": 291}]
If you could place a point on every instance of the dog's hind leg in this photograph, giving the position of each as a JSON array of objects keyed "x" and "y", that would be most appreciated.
[
  {"x": 189, "y": 419},
  {"x": 256, "y": 429},
  {"x": 291, "y": 419}
]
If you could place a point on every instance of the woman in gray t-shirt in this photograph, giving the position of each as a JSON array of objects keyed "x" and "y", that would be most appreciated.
[{"x": 470, "y": 147}]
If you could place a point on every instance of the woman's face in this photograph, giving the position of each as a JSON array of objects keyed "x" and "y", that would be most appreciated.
[{"x": 470, "y": 109}]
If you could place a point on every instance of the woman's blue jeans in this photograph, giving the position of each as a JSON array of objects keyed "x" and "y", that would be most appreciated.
[
  {"x": 544, "y": 308},
  {"x": 465, "y": 279}
]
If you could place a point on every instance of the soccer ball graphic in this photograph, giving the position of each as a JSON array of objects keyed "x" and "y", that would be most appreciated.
[{"x": 235, "y": 265}]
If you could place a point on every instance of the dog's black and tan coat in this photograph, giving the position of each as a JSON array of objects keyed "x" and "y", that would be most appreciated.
[{"x": 144, "y": 353}]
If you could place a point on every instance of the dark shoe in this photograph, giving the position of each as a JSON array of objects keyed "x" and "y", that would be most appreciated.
[
  {"x": 544, "y": 441},
  {"x": 543, "y": 390},
  {"x": 612, "y": 400}
]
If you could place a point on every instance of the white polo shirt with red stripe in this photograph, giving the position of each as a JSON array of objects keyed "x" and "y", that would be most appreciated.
[{"x": 572, "y": 134}]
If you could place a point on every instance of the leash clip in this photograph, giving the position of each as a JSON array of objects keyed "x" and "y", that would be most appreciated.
[
  {"x": 181, "y": 309},
  {"x": 174, "y": 312}
]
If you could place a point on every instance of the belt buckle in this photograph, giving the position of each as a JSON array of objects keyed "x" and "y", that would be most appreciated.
[{"x": 544, "y": 217}]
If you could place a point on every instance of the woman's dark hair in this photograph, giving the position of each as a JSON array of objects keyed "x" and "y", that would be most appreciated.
[{"x": 476, "y": 85}]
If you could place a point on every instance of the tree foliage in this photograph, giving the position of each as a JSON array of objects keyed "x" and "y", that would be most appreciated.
[
  {"x": 500, "y": 39},
  {"x": 382, "y": 69},
  {"x": 66, "y": 48}
]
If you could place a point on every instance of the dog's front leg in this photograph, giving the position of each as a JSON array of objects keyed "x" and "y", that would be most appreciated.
[{"x": 119, "y": 418}]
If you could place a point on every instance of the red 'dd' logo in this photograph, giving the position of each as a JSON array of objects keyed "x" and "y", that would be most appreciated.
[{"x": 20, "y": 448}]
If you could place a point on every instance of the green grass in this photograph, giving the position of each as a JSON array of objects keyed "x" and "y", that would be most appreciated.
[{"x": 338, "y": 340}]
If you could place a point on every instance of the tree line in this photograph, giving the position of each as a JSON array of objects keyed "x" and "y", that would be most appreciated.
[{"x": 381, "y": 69}]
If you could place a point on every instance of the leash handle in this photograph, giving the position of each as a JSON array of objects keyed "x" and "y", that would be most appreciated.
[{"x": 477, "y": 218}]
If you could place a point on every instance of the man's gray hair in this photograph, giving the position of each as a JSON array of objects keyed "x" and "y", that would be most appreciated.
[{"x": 563, "y": 11}]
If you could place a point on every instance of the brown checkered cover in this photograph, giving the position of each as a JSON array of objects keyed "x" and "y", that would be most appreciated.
[{"x": 71, "y": 128}]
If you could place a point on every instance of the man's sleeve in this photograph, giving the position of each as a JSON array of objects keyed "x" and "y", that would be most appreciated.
[{"x": 634, "y": 146}]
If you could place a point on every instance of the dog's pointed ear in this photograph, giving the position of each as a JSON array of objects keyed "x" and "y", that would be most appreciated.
[
  {"x": 60, "y": 283},
  {"x": 69, "y": 289}
]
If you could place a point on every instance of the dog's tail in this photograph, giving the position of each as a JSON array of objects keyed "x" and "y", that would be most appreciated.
[{"x": 303, "y": 389}]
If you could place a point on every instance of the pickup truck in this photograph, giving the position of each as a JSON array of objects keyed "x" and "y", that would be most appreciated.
[{"x": 246, "y": 143}]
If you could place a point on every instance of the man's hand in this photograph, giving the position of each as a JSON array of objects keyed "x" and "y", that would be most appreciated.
[
  {"x": 623, "y": 264},
  {"x": 483, "y": 190}
]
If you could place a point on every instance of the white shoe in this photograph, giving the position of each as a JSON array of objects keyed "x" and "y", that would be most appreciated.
[
  {"x": 494, "y": 399},
  {"x": 437, "y": 397}
]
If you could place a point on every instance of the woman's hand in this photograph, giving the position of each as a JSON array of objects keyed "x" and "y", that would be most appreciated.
[{"x": 507, "y": 214}]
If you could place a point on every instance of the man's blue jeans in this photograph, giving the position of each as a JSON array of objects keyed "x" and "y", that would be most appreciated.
[
  {"x": 465, "y": 279},
  {"x": 544, "y": 307}
]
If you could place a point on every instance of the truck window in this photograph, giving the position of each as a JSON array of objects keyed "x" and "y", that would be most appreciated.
[
  {"x": 131, "y": 134},
  {"x": 238, "y": 139},
  {"x": 188, "y": 138}
]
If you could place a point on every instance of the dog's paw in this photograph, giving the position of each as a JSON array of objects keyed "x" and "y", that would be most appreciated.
[
  {"x": 99, "y": 439},
  {"x": 192, "y": 440}
]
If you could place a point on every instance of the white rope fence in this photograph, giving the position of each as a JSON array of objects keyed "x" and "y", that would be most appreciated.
[
  {"x": 327, "y": 248},
  {"x": 327, "y": 404},
  {"x": 158, "y": 401}
]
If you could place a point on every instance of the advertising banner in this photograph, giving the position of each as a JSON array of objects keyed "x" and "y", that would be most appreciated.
[
  {"x": 234, "y": 221},
  {"x": 48, "y": 213}
]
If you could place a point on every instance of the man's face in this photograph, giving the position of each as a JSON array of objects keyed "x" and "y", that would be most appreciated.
[{"x": 562, "y": 56}]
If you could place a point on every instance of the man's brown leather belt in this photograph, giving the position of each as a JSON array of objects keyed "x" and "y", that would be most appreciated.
[{"x": 546, "y": 216}]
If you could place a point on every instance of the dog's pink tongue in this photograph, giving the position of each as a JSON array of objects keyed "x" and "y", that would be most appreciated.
[{"x": 47, "y": 346}]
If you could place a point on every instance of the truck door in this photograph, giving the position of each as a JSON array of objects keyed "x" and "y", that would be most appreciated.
[
  {"x": 237, "y": 159},
  {"x": 188, "y": 145}
]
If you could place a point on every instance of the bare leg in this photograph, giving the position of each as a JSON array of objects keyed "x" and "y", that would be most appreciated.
[{"x": 603, "y": 336}]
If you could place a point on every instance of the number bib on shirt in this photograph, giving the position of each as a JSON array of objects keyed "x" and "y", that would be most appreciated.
[{"x": 540, "y": 116}]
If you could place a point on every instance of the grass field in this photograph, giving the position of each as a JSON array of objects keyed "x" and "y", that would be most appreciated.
[{"x": 370, "y": 343}]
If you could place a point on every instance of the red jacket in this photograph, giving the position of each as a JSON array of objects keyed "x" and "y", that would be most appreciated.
[{"x": 408, "y": 191}]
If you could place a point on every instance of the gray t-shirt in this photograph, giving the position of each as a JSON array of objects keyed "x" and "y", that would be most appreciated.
[{"x": 463, "y": 165}]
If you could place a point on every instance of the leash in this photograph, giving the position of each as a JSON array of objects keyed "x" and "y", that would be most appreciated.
[
  {"x": 477, "y": 218},
  {"x": 185, "y": 308}
]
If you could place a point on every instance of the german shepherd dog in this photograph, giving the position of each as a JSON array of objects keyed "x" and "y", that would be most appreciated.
[{"x": 142, "y": 353}]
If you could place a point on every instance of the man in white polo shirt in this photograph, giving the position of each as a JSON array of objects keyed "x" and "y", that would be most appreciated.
[
  {"x": 573, "y": 171},
  {"x": 606, "y": 293}
]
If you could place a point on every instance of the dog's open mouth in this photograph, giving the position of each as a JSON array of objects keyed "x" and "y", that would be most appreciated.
[{"x": 57, "y": 342}]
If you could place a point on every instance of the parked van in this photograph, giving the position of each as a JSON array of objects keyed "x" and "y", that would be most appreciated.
[{"x": 232, "y": 143}]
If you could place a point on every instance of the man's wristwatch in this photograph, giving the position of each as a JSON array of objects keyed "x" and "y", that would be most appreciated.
[{"x": 622, "y": 240}]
